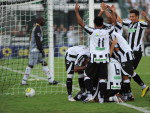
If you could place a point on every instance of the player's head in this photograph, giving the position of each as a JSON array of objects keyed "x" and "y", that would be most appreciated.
[
  {"x": 40, "y": 20},
  {"x": 98, "y": 21},
  {"x": 134, "y": 15}
]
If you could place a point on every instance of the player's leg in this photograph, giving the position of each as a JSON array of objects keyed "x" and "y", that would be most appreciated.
[
  {"x": 48, "y": 74},
  {"x": 81, "y": 94},
  {"x": 47, "y": 70},
  {"x": 70, "y": 73},
  {"x": 81, "y": 81},
  {"x": 26, "y": 75},
  {"x": 102, "y": 75},
  {"x": 135, "y": 76},
  {"x": 33, "y": 59},
  {"x": 89, "y": 73},
  {"x": 127, "y": 71}
]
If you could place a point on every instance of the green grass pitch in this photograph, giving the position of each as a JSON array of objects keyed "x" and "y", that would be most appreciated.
[{"x": 53, "y": 99}]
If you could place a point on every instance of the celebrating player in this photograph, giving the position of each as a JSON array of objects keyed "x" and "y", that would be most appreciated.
[{"x": 75, "y": 60}]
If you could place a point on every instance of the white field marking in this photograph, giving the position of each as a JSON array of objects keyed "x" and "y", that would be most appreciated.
[
  {"x": 135, "y": 107},
  {"x": 142, "y": 109}
]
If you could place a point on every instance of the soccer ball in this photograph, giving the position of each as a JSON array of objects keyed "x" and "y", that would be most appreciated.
[{"x": 29, "y": 92}]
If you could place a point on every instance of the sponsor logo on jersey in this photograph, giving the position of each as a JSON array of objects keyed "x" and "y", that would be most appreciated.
[
  {"x": 100, "y": 49},
  {"x": 131, "y": 30}
]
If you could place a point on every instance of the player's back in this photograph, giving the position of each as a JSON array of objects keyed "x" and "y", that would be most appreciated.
[
  {"x": 76, "y": 51},
  {"x": 99, "y": 44},
  {"x": 114, "y": 75}
]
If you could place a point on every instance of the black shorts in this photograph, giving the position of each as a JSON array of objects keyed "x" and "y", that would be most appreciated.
[
  {"x": 127, "y": 68},
  {"x": 137, "y": 58},
  {"x": 97, "y": 70}
]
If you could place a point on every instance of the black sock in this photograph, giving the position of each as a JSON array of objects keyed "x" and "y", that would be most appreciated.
[
  {"x": 138, "y": 80},
  {"x": 69, "y": 86},
  {"x": 81, "y": 84},
  {"x": 102, "y": 89},
  {"x": 88, "y": 85},
  {"x": 126, "y": 88}
]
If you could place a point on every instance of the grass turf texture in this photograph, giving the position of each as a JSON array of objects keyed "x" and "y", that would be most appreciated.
[{"x": 44, "y": 102}]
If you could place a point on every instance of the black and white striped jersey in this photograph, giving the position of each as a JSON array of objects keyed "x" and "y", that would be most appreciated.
[
  {"x": 77, "y": 54},
  {"x": 99, "y": 43},
  {"x": 135, "y": 34},
  {"x": 124, "y": 53},
  {"x": 118, "y": 27}
]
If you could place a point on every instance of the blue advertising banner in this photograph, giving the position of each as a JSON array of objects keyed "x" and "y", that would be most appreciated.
[{"x": 23, "y": 51}]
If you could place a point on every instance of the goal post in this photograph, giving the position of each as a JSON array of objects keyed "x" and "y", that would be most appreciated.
[{"x": 50, "y": 35}]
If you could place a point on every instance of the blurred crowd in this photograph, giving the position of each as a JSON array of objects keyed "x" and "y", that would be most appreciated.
[
  {"x": 139, "y": 5},
  {"x": 70, "y": 36}
]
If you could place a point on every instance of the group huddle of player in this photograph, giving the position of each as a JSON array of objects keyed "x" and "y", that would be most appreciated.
[{"x": 107, "y": 65}]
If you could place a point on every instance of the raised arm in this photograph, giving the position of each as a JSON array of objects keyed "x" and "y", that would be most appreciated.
[
  {"x": 79, "y": 19},
  {"x": 113, "y": 43},
  {"x": 145, "y": 16}
]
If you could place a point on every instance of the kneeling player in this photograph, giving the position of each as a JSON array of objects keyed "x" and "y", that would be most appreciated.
[
  {"x": 74, "y": 61},
  {"x": 113, "y": 83}
]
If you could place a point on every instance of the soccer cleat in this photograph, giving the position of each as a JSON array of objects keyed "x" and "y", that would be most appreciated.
[
  {"x": 78, "y": 96},
  {"x": 23, "y": 84},
  {"x": 130, "y": 98},
  {"x": 71, "y": 99},
  {"x": 88, "y": 99},
  {"x": 144, "y": 91},
  {"x": 54, "y": 83}
]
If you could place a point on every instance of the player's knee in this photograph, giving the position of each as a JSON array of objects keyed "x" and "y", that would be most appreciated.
[
  {"x": 125, "y": 77},
  {"x": 70, "y": 75},
  {"x": 31, "y": 66}
]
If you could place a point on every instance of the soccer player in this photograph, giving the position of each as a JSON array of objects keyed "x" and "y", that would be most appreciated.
[
  {"x": 136, "y": 30},
  {"x": 75, "y": 62},
  {"x": 37, "y": 54},
  {"x": 99, "y": 55},
  {"x": 123, "y": 53}
]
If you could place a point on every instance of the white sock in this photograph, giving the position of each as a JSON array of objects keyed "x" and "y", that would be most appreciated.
[
  {"x": 47, "y": 72},
  {"x": 27, "y": 73},
  {"x": 101, "y": 100},
  {"x": 69, "y": 96},
  {"x": 144, "y": 86}
]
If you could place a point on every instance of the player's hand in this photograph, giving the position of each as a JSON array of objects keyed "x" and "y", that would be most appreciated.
[
  {"x": 112, "y": 8},
  {"x": 143, "y": 14},
  {"x": 103, "y": 6},
  {"x": 77, "y": 7}
]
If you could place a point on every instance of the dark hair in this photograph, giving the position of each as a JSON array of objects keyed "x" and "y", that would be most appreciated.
[
  {"x": 136, "y": 12},
  {"x": 98, "y": 21},
  {"x": 39, "y": 19}
]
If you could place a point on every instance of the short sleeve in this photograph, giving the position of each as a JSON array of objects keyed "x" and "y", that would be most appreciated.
[
  {"x": 143, "y": 24},
  {"x": 88, "y": 29}
]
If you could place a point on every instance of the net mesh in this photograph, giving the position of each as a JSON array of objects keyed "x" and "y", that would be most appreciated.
[{"x": 16, "y": 22}]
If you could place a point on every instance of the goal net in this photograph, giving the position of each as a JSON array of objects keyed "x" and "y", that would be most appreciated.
[{"x": 60, "y": 32}]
